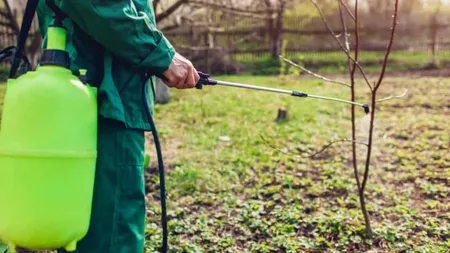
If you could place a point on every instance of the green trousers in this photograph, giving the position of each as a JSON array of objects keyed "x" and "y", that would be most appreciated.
[{"x": 118, "y": 211}]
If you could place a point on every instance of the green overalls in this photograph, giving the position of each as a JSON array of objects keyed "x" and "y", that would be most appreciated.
[{"x": 117, "y": 42}]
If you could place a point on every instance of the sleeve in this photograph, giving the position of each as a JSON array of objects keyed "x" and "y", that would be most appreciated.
[{"x": 122, "y": 29}]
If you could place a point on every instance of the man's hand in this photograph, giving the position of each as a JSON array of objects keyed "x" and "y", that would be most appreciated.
[{"x": 181, "y": 74}]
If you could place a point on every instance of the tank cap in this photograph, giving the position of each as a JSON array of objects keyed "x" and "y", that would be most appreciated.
[{"x": 55, "y": 57}]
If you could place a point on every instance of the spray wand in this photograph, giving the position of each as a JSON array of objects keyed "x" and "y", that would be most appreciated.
[{"x": 205, "y": 79}]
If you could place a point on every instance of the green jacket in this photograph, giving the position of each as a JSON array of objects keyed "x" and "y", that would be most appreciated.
[{"x": 119, "y": 45}]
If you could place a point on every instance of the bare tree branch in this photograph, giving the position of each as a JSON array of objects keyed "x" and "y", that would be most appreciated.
[
  {"x": 245, "y": 14},
  {"x": 228, "y": 7},
  {"x": 351, "y": 70},
  {"x": 314, "y": 74},
  {"x": 348, "y": 10},
  {"x": 335, "y": 142},
  {"x": 192, "y": 48},
  {"x": 155, "y": 5},
  {"x": 174, "y": 7},
  {"x": 278, "y": 149},
  {"x": 352, "y": 77},
  {"x": 340, "y": 44},
  {"x": 393, "y": 97},
  {"x": 344, "y": 27},
  {"x": 323, "y": 149},
  {"x": 388, "y": 51}
]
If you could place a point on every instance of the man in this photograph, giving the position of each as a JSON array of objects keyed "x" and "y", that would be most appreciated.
[{"x": 117, "y": 42}]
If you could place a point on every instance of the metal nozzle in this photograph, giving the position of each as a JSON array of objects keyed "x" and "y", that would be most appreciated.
[{"x": 366, "y": 108}]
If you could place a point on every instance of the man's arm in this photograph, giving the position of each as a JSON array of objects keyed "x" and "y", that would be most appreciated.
[{"x": 127, "y": 28}]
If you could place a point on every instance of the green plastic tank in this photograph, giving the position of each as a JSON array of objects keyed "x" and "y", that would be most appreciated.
[{"x": 48, "y": 144}]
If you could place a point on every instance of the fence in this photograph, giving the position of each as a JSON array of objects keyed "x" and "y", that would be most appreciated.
[
  {"x": 416, "y": 45},
  {"x": 248, "y": 47}
]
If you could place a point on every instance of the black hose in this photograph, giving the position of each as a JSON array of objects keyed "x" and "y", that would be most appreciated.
[
  {"x": 162, "y": 183},
  {"x": 9, "y": 52}
]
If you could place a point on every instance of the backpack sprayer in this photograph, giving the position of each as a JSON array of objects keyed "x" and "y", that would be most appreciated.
[{"x": 48, "y": 143}]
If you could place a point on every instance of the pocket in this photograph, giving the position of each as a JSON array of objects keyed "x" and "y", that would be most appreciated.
[
  {"x": 131, "y": 152},
  {"x": 110, "y": 101}
]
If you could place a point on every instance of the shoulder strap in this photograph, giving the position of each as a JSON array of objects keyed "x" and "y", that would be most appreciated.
[{"x": 26, "y": 26}]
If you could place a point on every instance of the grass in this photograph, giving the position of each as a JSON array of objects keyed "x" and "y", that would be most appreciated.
[
  {"x": 336, "y": 62},
  {"x": 243, "y": 196},
  {"x": 338, "y": 56},
  {"x": 237, "y": 194}
]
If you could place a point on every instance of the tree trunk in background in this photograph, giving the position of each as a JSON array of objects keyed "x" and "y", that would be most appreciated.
[
  {"x": 162, "y": 92},
  {"x": 270, "y": 28},
  {"x": 434, "y": 30},
  {"x": 275, "y": 27},
  {"x": 278, "y": 35}
]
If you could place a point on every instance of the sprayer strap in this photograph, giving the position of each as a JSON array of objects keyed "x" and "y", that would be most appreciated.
[{"x": 25, "y": 29}]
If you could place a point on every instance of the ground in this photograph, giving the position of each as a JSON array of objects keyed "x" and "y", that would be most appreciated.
[
  {"x": 243, "y": 195},
  {"x": 232, "y": 189}
]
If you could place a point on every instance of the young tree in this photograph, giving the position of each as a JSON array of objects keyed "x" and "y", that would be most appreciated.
[{"x": 354, "y": 67}]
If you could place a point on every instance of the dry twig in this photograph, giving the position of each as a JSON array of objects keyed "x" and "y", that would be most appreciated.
[
  {"x": 314, "y": 74},
  {"x": 323, "y": 149},
  {"x": 348, "y": 10},
  {"x": 393, "y": 97}
]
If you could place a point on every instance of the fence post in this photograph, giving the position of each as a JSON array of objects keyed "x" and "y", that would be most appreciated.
[
  {"x": 434, "y": 30},
  {"x": 206, "y": 51}
]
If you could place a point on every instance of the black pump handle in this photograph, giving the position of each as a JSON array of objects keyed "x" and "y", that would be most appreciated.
[{"x": 204, "y": 80}]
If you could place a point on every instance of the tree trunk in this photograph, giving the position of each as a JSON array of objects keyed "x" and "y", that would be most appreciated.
[
  {"x": 278, "y": 38},
  {"x": 277, "y": 31},
  {"x": 162, "y": 92},
  {"x": 270, "y": 30}
]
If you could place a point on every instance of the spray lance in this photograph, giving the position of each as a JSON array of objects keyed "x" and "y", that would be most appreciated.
[{"x": 205, "y": 79}]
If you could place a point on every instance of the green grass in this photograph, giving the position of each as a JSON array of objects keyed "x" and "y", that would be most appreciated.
[
  {"x": 245, "y": 196},
  {"x": 338, "y": 56},
  {"x": 336, "y": 62}
]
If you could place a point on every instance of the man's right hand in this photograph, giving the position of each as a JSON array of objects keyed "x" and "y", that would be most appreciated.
[{"x": 181, "y": 74}]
